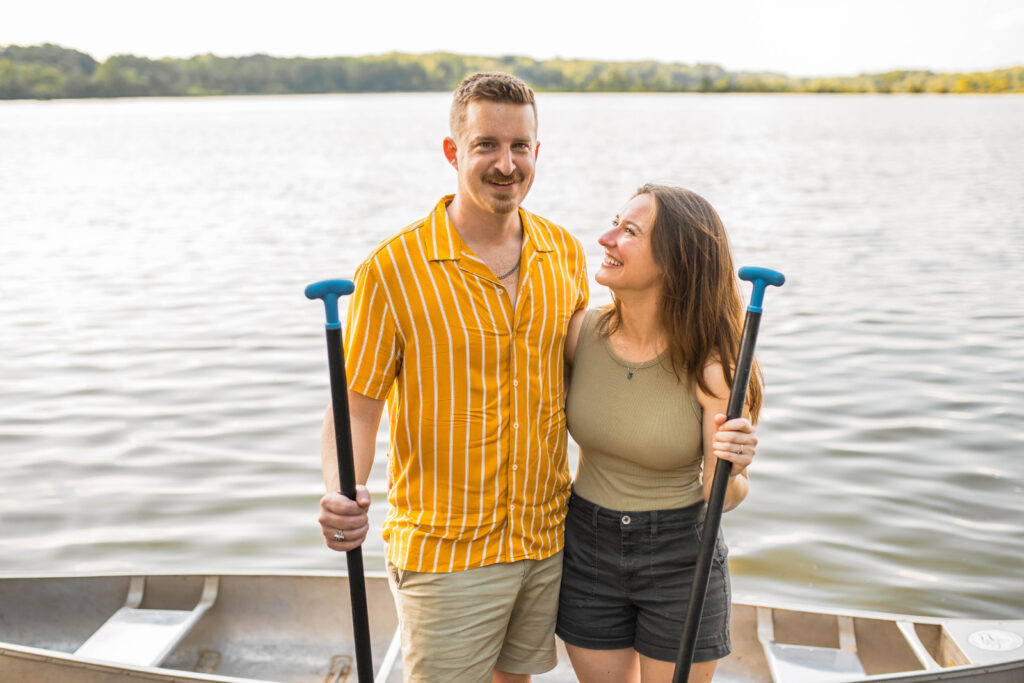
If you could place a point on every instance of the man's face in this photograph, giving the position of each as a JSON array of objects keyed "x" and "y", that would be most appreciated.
[{"x": 495, "y": 154}]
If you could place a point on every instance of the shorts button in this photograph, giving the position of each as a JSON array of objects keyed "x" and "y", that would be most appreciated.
[{"x": 626, "y": 520}]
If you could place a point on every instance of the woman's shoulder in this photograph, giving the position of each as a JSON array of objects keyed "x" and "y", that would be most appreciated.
[
  {"x": 715, "y": 380},
  {"x": 595, "y": 320},
  {"x": 581, "y": 332}
]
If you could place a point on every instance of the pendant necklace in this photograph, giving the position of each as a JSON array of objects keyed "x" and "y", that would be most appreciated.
[{"x": 630, "y": 370}]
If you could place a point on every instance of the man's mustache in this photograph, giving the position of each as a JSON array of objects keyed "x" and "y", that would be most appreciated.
[{"x": 499, "y": 178}]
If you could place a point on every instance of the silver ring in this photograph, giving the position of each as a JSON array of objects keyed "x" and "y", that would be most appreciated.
[
  {"x": 339, "y": 535},
  {"x": 740, "y": 451}
]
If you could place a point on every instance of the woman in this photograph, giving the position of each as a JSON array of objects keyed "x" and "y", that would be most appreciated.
[{"x": 650, "y": 382}]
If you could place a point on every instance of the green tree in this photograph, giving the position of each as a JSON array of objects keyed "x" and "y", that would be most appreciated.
[
  {"x": 7, "y": 84},
  {"x": 38, "y": 81},
  {"x": 53, "y": 71}
]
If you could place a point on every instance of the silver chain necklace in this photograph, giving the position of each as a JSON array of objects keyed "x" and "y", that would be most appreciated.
[{"x": 514, "y": 269}]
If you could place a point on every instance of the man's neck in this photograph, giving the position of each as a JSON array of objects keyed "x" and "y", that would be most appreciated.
[{"x": 483, "y": 228}]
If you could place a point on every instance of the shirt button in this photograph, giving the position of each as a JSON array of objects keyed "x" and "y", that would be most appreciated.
[
  {"x": 515, "y": 467},
  {"x": 626, "y": 520},
  {"x": 515, "y": 383},
  {"x": 515, "y": 425}
]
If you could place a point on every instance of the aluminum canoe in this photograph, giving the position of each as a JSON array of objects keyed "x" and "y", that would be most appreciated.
[{"x": 296, "y": 628}]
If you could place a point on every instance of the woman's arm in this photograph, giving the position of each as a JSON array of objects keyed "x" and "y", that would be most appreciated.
[
  {"x": 572, "y": 335},
  {"x": 732, "y": 440}
]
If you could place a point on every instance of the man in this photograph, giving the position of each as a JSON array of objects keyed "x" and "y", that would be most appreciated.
[{"x": 458, "y": 321}]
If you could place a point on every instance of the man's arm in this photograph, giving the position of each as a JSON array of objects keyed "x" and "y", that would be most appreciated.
[
  {"x": 337, "y": 511},
  {"x": 364, "y": 416}
]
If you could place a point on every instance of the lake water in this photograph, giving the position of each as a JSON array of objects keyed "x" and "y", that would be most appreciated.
[{"x": 162, "y": 377}]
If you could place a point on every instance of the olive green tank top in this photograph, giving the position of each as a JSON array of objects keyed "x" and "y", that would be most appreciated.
[{"x": 637, "y": 426}]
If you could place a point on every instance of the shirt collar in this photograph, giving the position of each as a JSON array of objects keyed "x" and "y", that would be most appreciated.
[{"x": 443, "y": 243}]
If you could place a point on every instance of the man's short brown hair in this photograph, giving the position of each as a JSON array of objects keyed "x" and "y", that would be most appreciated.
[{"x": 490, "y": 87}]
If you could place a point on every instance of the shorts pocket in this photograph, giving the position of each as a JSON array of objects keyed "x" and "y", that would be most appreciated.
[
  {"x": 721, "y": 549},
  {"x": 579, "y": 560},
  {"x": 718, "y": 599},
  {"x": 396, "y": 575},
  {"x": 672, "y": 560}
]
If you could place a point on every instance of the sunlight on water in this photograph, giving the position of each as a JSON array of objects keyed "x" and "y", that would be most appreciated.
[{"x": 163, "y": 378}]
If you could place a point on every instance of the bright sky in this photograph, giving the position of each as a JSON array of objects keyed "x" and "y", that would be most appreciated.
[{"x": 796, "y": 37}]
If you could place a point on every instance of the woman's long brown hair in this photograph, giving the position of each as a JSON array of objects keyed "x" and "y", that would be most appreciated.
[{"x": 701, "y": 309}]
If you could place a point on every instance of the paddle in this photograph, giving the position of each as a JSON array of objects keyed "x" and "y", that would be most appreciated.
[
  {"x": 329, "y": 291},
  {"x": 761, "y": 277}
]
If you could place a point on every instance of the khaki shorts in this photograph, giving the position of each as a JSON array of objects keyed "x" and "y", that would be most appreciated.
[{"x": 461, "y": 626}]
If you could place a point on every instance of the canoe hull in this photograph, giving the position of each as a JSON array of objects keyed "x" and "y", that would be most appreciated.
[
  {"x": 294, "y": 628},
  {"x": 297, "y": 629}
]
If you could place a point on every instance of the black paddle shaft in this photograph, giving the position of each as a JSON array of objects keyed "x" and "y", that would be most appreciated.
[
  {"x": 347, "y": 479},
  {"x": 761, "y": 279},
  {"x": 716, "y": 501}
]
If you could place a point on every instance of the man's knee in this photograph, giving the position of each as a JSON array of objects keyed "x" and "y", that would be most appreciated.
[{"x": 504, "y": 677}]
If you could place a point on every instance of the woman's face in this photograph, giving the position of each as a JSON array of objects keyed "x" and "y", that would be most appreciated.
[{"x": 628, "y": 264}]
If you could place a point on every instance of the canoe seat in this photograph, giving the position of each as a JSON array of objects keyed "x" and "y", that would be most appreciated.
[
  {"x": 806, "y": 663},
  {"x": 144, "y": 637}
]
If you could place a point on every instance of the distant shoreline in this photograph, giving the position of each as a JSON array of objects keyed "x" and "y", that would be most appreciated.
[{"x": 50, "y": 71}]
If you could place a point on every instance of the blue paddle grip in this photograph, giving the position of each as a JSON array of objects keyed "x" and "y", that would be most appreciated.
[
  {"x": 329, "y": 291},
  {"x": 762, "y": 278}
]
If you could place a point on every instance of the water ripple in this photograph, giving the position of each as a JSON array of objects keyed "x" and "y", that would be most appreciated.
[{"x": 163, "y": 378}]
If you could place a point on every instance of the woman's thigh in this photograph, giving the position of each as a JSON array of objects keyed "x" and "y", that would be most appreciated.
[
  {"x": 604, "y": 666},
  {"x": 657, "y": 671}
]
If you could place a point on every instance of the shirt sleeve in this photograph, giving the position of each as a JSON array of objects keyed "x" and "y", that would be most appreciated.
[
  {"x": 583, "y": 287},
  {"x": 372, "y": 348}
]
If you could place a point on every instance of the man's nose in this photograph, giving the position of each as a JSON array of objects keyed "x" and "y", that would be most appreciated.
[{"x": 505, "y": 164}]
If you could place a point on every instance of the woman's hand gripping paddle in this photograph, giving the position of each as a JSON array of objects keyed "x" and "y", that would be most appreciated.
[
  {"x": 329, "y": 291},
  {"x": 762, "y": 278}
]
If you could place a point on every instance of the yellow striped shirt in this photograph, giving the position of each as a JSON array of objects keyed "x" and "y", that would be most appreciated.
[{"x": 475, "y": 391}]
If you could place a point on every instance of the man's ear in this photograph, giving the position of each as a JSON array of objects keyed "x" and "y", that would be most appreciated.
[
  {"x": 450, "y": 152},
  {"x": 536, "y": 150}
]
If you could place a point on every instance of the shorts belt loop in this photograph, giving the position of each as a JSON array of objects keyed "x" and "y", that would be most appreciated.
[
  {"x": 593, "y": 520},
  {"x": 654, "y": 523}
]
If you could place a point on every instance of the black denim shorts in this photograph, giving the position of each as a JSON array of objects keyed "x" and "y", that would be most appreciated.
[{"x": 626, "y": 580}]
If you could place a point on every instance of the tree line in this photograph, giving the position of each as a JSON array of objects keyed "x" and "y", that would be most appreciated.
[{"x": 51, "y": 71}]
